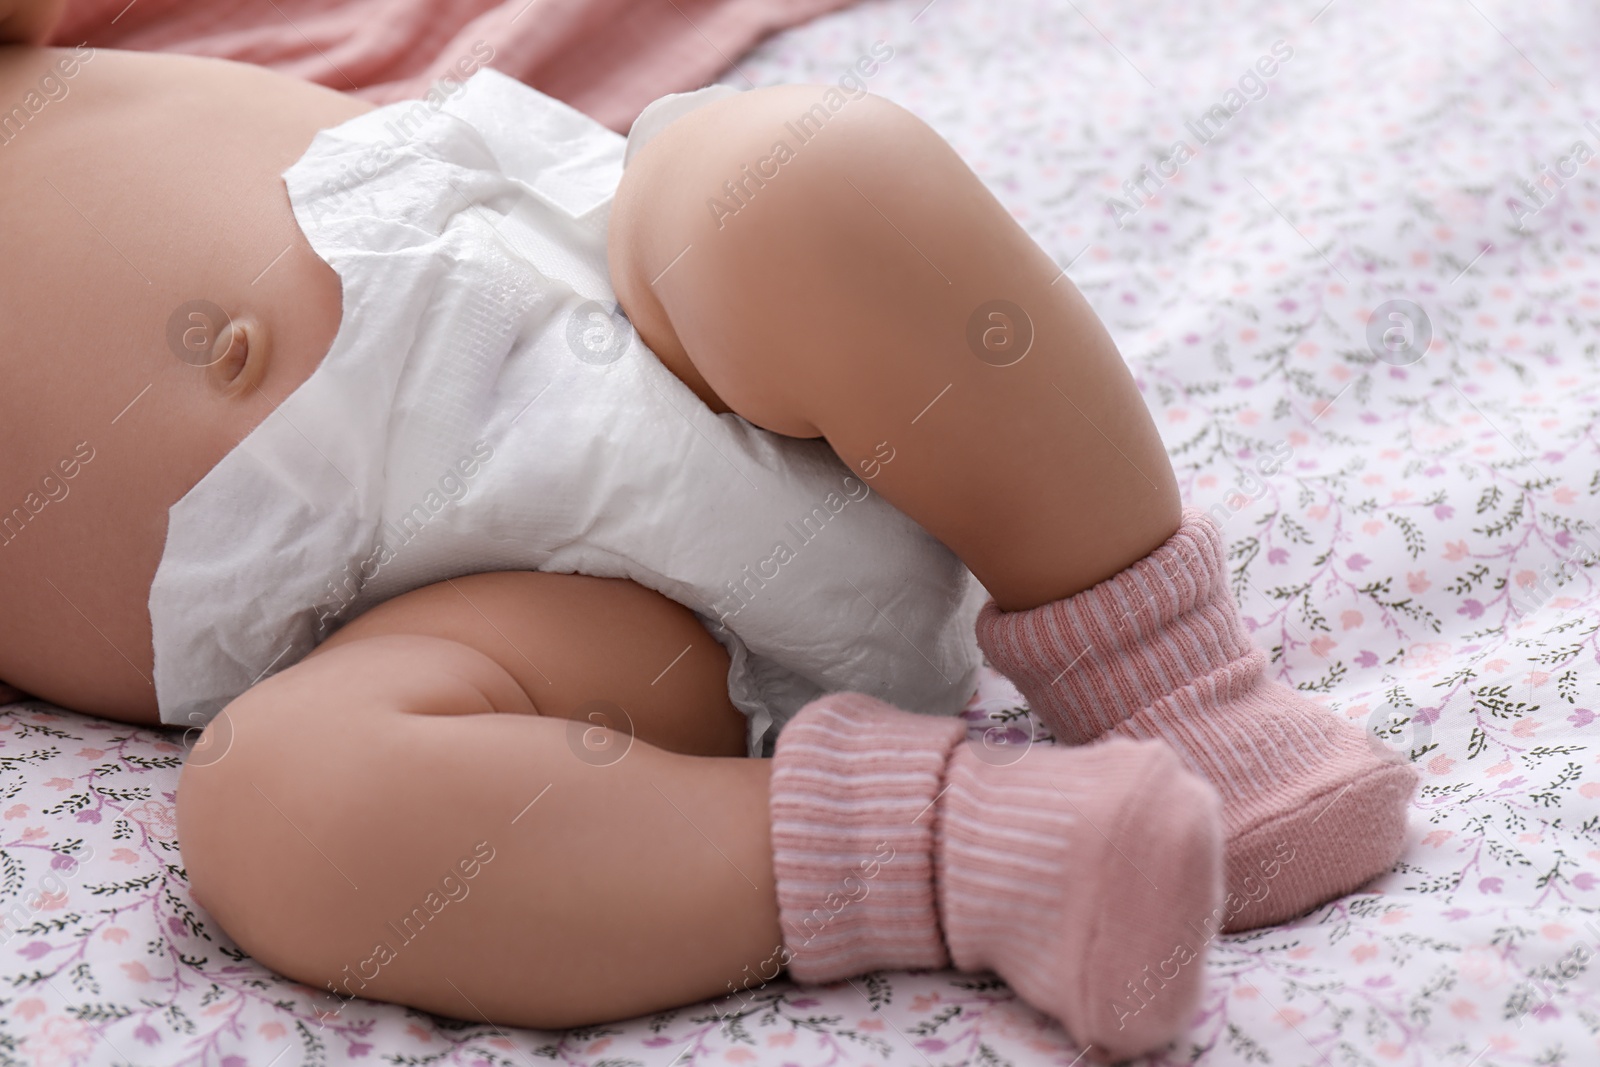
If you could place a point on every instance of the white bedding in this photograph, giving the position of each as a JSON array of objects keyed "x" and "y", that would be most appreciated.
[{"x": 1395, "y": 563}]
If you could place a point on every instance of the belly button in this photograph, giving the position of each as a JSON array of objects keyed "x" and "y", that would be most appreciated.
[{"x": 239, "y": 357}]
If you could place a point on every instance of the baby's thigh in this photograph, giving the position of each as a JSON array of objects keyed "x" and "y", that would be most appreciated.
[
  {"x": 398, "y": 785},
  {"x": 605, "y": 652},
  {"x": 725, "y": 244},
  {"x": 586, "y": 670}
]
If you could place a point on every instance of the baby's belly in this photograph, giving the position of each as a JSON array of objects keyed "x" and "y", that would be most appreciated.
[{"x": 135, "y": 193}]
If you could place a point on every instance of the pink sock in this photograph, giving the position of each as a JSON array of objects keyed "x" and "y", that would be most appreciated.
[
  {"x": 1089, "y": 879},
  {"x": 1312, "y": 808}
]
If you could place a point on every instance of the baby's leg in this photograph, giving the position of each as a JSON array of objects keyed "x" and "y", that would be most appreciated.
[
  {"x": 855, "y": 294},
  {"x": 393, "y": 817},
  {"x": 358, "y": 820},
  {"x": 865, "y": 285}
]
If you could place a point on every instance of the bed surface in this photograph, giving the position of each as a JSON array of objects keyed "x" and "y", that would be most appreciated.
[{"x": 1395, "y": 559}]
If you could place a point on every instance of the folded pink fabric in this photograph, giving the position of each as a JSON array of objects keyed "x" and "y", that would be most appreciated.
[{"x": 608, "y": 58}]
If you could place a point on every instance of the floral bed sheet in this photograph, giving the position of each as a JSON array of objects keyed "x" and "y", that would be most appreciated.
[{"x": 1350, "y": 251}]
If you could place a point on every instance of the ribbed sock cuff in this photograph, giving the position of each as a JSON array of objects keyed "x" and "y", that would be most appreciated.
[
  {"x": 1087, "y": 662},
  {"x": 854, "y": 783}
]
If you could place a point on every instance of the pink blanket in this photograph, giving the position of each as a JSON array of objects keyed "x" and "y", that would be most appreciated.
[{"x": 608, "y": 58}]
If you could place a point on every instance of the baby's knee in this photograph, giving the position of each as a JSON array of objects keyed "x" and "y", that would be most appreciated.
[
  {"x": 230, "y": 869},
  {"x": 762, "y": 160},
  {"x": 277, "y": 813},
  {"x": 783, "y": 124}
]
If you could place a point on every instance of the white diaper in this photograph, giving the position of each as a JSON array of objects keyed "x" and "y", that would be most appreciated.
[{"x": 485, "y": 407}]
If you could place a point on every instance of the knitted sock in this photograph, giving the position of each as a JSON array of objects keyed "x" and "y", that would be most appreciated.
[
  {"x": 1311, "y": 807},
  {"x": 1089, "y": 879}
]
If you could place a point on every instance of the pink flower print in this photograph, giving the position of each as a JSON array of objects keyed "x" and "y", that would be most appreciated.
[
  {"x": 157, "y": 818},
  {"x": 48, "y": 901},
  {"x": 59, "y": 1041},
  {"x": 1424, "y": 655}
]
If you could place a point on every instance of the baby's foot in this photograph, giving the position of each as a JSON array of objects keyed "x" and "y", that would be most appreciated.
[
  {"x": 1312, "y": 808},
  {"x": 1088, "y": 878}
]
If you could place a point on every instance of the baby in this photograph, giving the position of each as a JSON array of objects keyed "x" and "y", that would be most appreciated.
[{"x": 518, "y": 793}]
